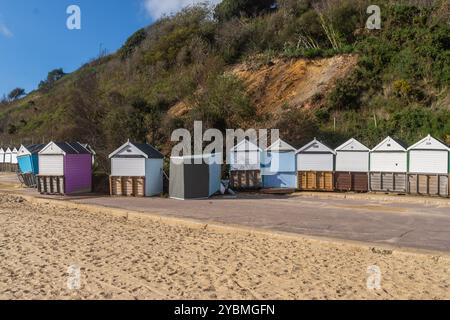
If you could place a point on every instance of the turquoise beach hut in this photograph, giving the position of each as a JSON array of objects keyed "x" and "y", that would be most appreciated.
[{"x": 27, "y": 158}]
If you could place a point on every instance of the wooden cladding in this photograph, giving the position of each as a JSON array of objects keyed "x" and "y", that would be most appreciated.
[
  {"x": 28, "y": 180},
  {"x": 429, "y": 184},
  {"x": 352, "y": 181},
  {"x": 388, "y": 182},
  {"x": 9, "y": 167},
  {"x": 51, "y": 184},
  {"x": 245, "y": 179},
  {"x": 127, "y": 186},
  {"x": 316, "y": 181}
]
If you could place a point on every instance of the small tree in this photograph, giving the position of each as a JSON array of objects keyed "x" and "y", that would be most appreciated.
[
  {"x": 16, "y": 94},
  {"x": 52, "y": 77}
]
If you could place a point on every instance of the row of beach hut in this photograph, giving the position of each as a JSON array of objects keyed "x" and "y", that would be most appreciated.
[
  {"x": 423, "y": 168},
  {"x": 137, "y": 169},
  {"x": 8, "y": 159}
]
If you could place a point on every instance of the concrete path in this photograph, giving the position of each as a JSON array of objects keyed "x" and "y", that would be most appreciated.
[{"x": 402, "y": 224}]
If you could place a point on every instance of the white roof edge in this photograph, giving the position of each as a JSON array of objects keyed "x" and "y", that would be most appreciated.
[
  {"x": 26, "y": 149},
  {"x": 342, "y": 146},
  {"x": 243, "y": 141},
  {"x": 123, "y": 146},
  {"x": 428, "y": 137},
  {"x": 47, "y": 145},
  {"x": 381, "y": 143},
  {"x": 280, "y": 140},
  {"x": 314, "y": 141}
]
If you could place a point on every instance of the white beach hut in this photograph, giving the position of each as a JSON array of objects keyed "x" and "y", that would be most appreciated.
[
  {"x": 136, "y": 170},
  {"x": 315, "y": 165},
  {"x": 14, "y": 156},
  {"x": 2, "y": 155},
  {"x": 8, "y": 156},
  {"x": 388, "y": 166},
  {"x": 428, "y": 167},
  {"x": 352, "y": 166},
  {"x": 245, "y": 165}
]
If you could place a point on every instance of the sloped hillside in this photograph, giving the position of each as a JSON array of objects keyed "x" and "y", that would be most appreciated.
[
  {"x": 292, "y": 82},
  {"x": 309, "y": 68}
]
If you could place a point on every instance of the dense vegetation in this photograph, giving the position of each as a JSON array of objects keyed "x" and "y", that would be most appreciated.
[{"x": 399, "y": 87}]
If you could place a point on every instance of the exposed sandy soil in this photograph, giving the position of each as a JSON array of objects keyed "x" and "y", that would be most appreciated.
[
  {"x": 281, "y": 82},
  {"x": 292, "y": 82},
  {"x": 129, "y": 256}
]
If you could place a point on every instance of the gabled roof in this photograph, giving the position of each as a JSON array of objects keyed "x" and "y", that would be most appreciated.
[
  {"x": 30, "y": 149},
  {"x": 390, "y": 144},
  {"x": 144, "y": 149},
  {"x": 245, "y": 145},
  {"x": 429, "y": 143},
  {"x": 8, "y": 150},
  {"x": 352, "y": 145},
  {"x": 316, "y": 146},
  {"x": 67, "y": 148},
  {"x": 280, "y": 146},
  {"x": 1, "y": 150}
]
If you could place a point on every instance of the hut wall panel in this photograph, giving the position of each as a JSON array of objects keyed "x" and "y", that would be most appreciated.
[
  {"x": 428, "y": 161},
  {"x": 388, "y": 181},
  {"x": 245, "y": 179},
  {"x": 127, "y": 186},
  {"x": 281, "y": 161},
  {"x": 352, "y": 181},
  {"x": 25, "y": 164},
  {"x": 360, "y": 182},
  {"x": 14, "y": 158},
  {"x": 51, "y": 165},
  {"x": 315, "y": 162},
  {"x": 280, "y": 180},
  {"x": 245, "y": 160},
  {"x": 388, "y": 162},
  {"x": 215, "y": 176},
  {"x": 154, "y": 177},
  {"x": 428, "y": 184},
  {"x": 343, "y": 181},
  {"x": 351, "y": 161},
  {"x": 35, "y": 163},
  {"x": 128, "y": 167},
  {"x": 51, "y": 184},
  {"x": 78, "y": 173},
  {"x": 315, "y": 181}
]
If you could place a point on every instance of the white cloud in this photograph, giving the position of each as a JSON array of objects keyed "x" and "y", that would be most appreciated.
[
  {"x": 4, "y": 31},
  {"x": 157, "y": 8}
]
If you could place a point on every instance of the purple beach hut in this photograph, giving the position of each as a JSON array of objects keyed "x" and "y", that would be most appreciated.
[{"x": 65, "y": 168}]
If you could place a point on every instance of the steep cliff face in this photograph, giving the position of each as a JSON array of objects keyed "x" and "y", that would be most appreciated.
[
  {"x": 293, "y": 82},
  {"x": 285, "y": 83}
]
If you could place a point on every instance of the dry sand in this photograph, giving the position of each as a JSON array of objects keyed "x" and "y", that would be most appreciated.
[{"x": 129, "y": 256}]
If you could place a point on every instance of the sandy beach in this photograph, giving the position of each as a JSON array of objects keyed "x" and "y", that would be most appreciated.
[{"x": 123, "y": 255}]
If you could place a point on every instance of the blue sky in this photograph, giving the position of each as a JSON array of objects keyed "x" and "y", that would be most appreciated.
[{"x": 34, "y": 38}]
